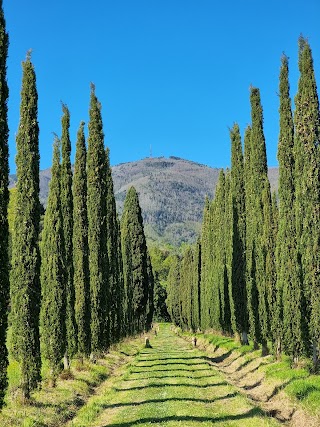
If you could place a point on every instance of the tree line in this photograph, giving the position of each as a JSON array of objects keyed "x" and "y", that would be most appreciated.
[
  {"x": 255, "y": 271},
  {"x": 85, "y": 280}
]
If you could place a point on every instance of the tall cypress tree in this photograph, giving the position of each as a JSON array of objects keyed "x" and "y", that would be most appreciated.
[
  {"x": 218, "y": 265},
  {"x": 25, "y": 273},
  {"x": 196, "y": 315},
  {"x": 226, "y": 223},
  {"x": 206, "y": 256},
  {"x": 134, "y": 255},
  {"x": 112, "y": 245},
  {"x": 53, "y": 309},
  {"x": 173, "y": 290},
  {"x": 287, "y": 326},
  {"x": 186, "y": 287},
  {"x": 67, "y": 217},
  {"x": 4, "y": 200},
  {"x": 150, "y": 301},
  {"x": 307, "y": 186},
  {"x": 238, "y": 294},
  {"x": 97, "y": 231},
  {"x": 80, "y": 246}
]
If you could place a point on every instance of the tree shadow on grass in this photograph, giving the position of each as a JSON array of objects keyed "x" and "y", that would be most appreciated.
[
  {"x": 157, "y": 385},
  {"x": 184, "y": 418},
  {"x": 170, "y": 364},
  {"x": 218, "y": 359},
  {"x": 163, "y": 359},
  {"x": 169, "y": 376},
  {"x": 170, "y": 399},
  {"x": 171, "y": 370}
]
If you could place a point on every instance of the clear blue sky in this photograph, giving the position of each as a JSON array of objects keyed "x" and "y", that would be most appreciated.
[{"x": 174, "y": 74}]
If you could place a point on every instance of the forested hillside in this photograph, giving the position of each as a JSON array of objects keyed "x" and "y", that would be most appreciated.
[{"x": 171, "y": 191}]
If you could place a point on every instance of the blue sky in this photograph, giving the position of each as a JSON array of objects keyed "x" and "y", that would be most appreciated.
[{"x": 173, "y": 74}]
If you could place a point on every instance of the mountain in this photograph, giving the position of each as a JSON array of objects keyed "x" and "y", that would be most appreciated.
[{"x": 171, "y": 191}]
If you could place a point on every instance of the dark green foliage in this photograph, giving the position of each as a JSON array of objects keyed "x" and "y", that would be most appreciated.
[
  {"x": 114, "y": 316},
  {"x": 257, "y": 183},
  {"x": 4, "y": 200},
  {"x": 196, "y": 290},
  {"x": 97, "y": 230},
  {"x": 67, "y": 217},
  {"x": 219, "y": 273},
  {"x": 81, "y": 277},
  {"x": 135, "y": 264},
  {"x": 151, "y": 295},
  {"x": 185, "y": 289},
  {"x": 287, "y": 326},
  {"x": 238, "y": 295},
  {"x": 307, "y": 188},
  {"x": 173, "y": 291},
  {"x": 206, "y": 265},
  {"x": 25, "y": 273},
  {"x": 53, "y": 309},
  {"x": 160, "y": 308}
]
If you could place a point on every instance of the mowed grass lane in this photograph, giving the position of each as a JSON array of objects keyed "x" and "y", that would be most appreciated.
[{"x": 172, "y": 385}]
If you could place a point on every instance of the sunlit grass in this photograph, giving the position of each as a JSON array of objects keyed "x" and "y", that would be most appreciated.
[{"x": 173, "y": 385}]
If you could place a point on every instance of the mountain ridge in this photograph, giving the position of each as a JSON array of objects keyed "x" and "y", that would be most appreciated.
[{"x": 171, "y": 190}]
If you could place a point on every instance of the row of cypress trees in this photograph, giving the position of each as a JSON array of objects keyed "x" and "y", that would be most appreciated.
[
  {"x": 86, "y": 280},
  {"x": 259, "y": 255}
]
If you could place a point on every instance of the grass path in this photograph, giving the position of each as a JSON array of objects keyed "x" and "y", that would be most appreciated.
[{"x": 170, "y": 385}]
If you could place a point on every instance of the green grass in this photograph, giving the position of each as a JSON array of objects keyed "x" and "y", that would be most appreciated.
[
  {"x": 170, "y": 384},
  {"x": 56, "y": 406}
]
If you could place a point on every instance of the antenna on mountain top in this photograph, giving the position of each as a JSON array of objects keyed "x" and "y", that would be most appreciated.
[{"x": 150, "y": 151}]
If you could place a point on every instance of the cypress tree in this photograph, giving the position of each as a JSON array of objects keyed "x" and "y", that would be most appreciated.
[
  {"x": 150, "y": 301},
  {"x": 206, "y": 256},
  {"x": 135, "y": 264},
  {"x": 185, "y": 291},
  {"x": 67, "y": 218},
  {"x": 112, "y": 246},
  {"x": 196, "y": 315},
  {"x": 238, "y": 294},
  {"x": 218, "y": 265},
  {"x": 97, "y": 232},
  {"x": 4, "y": 200},
  {"x": 287, "y": 326},
  {"x": 226, "y": 222},
  {"x": 80, "y": 246},
  {"x": 173, "y": 290},
  {"x": 257, "y": 183},
  {"x": 53, "y": 309},
  {"x": 25, "y": 273},
  {"x": 307, "y": 186}
]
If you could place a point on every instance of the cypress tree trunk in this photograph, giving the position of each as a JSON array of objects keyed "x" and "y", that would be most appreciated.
[
  {"x": 80, "y": 246},
  {"x": 67, "y": 218},
  {"x": 97, "y": 231},
  {"x": 4, "y": 200},
  {"x": 25, "y": 273},
  {"x": 53, "y": 308}
]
